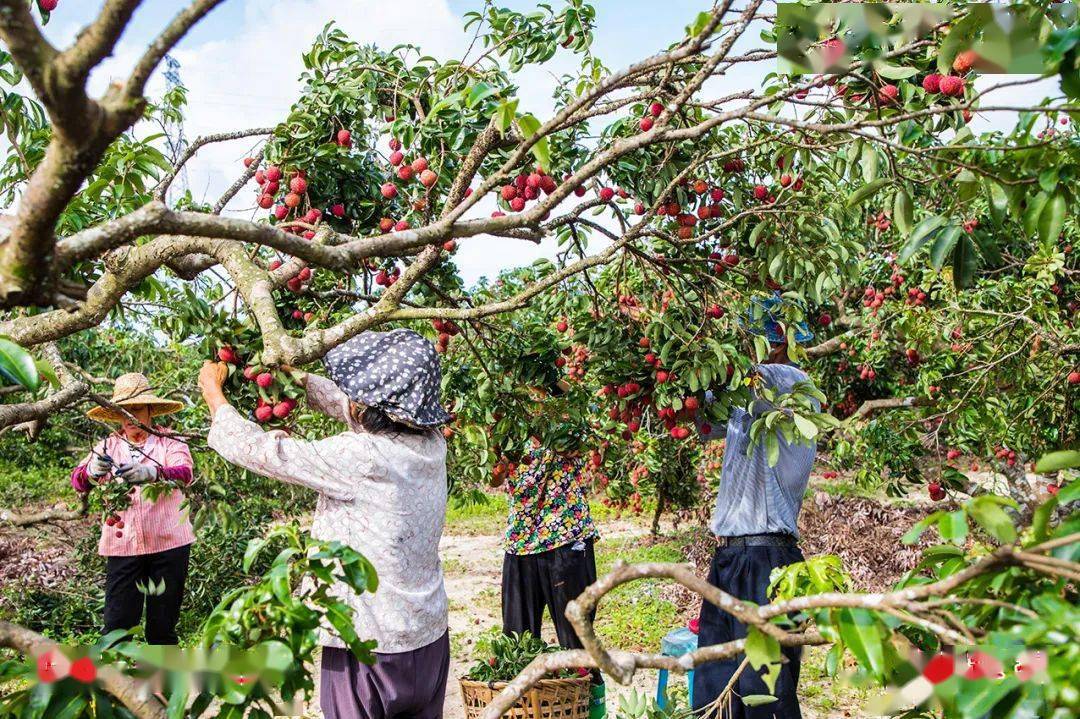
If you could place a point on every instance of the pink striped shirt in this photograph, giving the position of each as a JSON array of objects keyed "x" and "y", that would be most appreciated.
[{"x": 149, "y": 527}]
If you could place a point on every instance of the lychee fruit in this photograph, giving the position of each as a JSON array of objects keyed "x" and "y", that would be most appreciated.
[
  {"x": 952, "y": 85},
  {"x": 964, "y": 61}
]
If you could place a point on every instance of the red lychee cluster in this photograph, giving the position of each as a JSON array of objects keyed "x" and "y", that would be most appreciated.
[
  {"x": 447, "y": 330},
  {"x": 574, "y": 359},
  {"x": 1006, "y": 455},
  {"x": 387, "y": 277},
  {"x": 948, "y": 85},
  {"x": 916, "y": 297},
  {"x": 527, "y": 187},
  {"x": 881, "y": 221},
  {"x": 271, "y": 385}
]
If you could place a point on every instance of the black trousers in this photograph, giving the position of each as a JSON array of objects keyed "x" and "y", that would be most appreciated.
[
  {"x": 744, "y": 572},
  {"x": 550, "y": 579},
  {"x": 124, "y": 601}
]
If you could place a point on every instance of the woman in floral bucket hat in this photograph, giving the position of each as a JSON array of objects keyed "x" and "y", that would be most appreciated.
[
  {"x": 382, "y": 489},
  {"x": 150, "y": 540}
]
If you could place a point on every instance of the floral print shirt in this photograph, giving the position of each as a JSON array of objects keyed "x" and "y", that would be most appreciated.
[{"x": 549, "y": 505}]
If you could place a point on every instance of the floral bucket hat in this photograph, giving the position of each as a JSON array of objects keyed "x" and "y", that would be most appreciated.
[{"x": 397, "y": 372}]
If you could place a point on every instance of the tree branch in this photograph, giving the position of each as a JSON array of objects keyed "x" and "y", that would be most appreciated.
[
  {"x": 133, "y": 693},
  {"x": 165, "y": 42}
]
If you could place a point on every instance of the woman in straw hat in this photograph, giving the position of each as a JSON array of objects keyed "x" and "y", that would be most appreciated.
[
  {"x": 382, "y": 490},
  {"x": 149, "y": 541}
]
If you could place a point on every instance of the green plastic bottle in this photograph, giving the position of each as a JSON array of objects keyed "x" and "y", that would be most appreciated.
[{"x": 598, "y": 702}]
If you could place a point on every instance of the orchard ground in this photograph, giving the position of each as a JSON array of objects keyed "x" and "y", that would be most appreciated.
[{"x": 865, "y": 530}]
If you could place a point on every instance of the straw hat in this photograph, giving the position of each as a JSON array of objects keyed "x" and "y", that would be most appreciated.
[{"x": 133, "y": 390}]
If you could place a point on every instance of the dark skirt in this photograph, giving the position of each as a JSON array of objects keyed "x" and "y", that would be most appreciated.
[
  {"x": 744, "y": 572},
  {"x": 407, "y": 684}
]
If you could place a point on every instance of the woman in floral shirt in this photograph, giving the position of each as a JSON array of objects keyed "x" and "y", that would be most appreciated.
[{"x": 549, "y": 545}]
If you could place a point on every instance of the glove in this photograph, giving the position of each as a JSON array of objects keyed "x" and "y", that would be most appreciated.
[
  {"x": 136, "y": 473},
  {"x": 99, "y": 466}
]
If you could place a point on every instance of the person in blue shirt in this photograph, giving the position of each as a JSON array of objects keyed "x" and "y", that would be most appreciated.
[{"x": 755, "y": 525}]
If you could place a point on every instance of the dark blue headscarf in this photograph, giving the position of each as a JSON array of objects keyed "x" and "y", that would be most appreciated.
[
  {"x": 768, "y": 322},
  {"x": 397, "y": 372}
]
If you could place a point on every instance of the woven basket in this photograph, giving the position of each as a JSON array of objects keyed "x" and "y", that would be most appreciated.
[{"x": 549, "y": 699}]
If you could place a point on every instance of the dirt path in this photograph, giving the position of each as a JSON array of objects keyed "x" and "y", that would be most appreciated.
[{"x": 473, "y": 568}]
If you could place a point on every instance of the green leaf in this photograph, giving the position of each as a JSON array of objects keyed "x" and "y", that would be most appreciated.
[
  {"x": 695, "y": 28},
  {"x": 903, "y": 212},
  {"x": 529, "y": 126},
  {"x": 68, "y": 707},
  {"x": 1048, "y": 179},
  {"x": 178, "y": 698},
  {"x": 1040, "y": 521},
  {"x": 919, "y": 236},
  {"x": 1051, "y": 220},
  {"x": 894, "y": 72},
  {"x": 965, "y": 262},
  {"x": 953, "y": 527},
  {"x": 45, "y": 370},
  {"x": 943, "y": 245},
  {"x": 763, "y": 653},
  {"x": 757, "y": 700},
  {"x": 869, "y": 163},
  {"x": 772, "y": 449},
  {"x": 479, "y": 92},
  {"x": 863, "y": 635},
  {"x": 276, "y": 655},
  {"x": 254, "y": 547},
  {"x": 917, "y": 529},
  {"x": 40, "y": 696},
  {"x": 18, "y": 366},
  {"x": 806, "y": 427},
  {"x": 1054, "y": 461},
  {"x": 1033, "y": 213},
  {"x": 992, "y": 518},
  {"x": 505, "y": 115},
  {"x": 976, "y": 698},
  {"x": 999, "y": 202},
  {"x": 866, "y": 191}
]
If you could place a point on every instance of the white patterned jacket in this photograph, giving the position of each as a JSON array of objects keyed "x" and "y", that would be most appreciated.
[{"x": 383, "y": 495}]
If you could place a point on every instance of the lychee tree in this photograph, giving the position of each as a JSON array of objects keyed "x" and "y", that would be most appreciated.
[{"x": 933, "y": 264}]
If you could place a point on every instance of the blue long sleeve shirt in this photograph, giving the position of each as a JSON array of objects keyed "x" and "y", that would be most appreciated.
[{"x": 754, "y": 498}]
